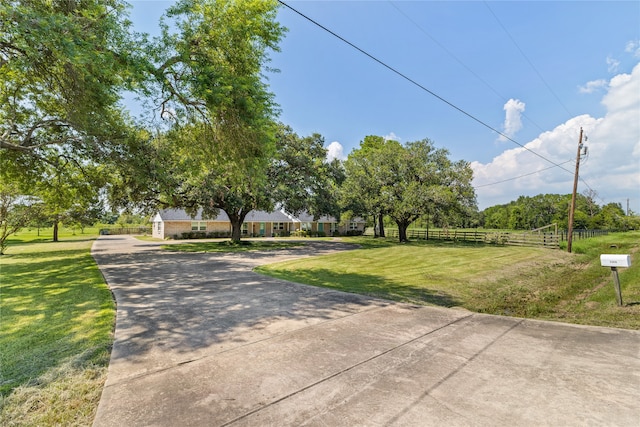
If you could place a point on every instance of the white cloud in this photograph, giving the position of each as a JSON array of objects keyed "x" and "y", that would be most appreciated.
[
  {"x": 593, "y": 86},
  {"x": 612, "y": 167},
  {"x": 335, "y": 151},
  {"x": 612, "y": 64},
  {"x": 513, "y": 118},
  {"x": 633, "y": 47},
  {"x": 391, "y": 137}
]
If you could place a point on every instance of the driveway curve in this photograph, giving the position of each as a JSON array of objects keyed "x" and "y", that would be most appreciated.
[{"x": 201, "y": 340}]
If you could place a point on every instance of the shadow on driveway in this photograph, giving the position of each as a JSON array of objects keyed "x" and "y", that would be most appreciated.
[{"x": 202, "y": 340}]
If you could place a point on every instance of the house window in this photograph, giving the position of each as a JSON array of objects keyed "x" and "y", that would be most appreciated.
[
  {"x": 245, "y": 228},
  {"x": 353, "y": 225},
  {"x": 306, "y": 226},
  {"x": 198, "y": 226},
  {"x": 278, "y": 225}
]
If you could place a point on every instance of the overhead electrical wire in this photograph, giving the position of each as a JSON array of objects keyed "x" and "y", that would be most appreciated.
[
  {"x": 513, "y": 40},
  {"x": 404, "y": 76},
  {"x": 542, "y": 79},
  {"x": 520, "y": 176},
  {"x": 458, "y": 60},
  {"x": 435, "y": 95},
  {"x": 444, "y": 48}
]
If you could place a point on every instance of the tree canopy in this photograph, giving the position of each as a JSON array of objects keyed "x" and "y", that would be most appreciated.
[
  {"x": 406, "y": 182},
  {"x": 63, "y": 65},
  {"x": 209, "y": 70},
  {"x": 361, "y": 193},
  {"x": 301, "y": 177},
  {"x": 68, "y": 143}
]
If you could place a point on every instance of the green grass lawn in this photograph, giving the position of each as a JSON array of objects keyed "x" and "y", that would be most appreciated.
[
  {"x": 56, "y": 321},
  {"x": 505, "y": 280}
]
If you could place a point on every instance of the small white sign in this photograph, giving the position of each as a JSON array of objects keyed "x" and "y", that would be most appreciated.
[{"x": 615, "y": 260}]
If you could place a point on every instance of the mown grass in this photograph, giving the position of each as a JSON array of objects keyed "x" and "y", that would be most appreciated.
[
  {"x": 56, "y": 321},
  {"x": 504, "y": 280},
  {"x": 57, "y": 314},
  {"x": 230, "y": 246}
]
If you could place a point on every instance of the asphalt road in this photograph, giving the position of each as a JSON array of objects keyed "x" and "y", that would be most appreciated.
[{"x": 201, "y": 340}]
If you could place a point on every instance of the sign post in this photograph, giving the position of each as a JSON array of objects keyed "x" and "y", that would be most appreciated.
[
  {"x": 615, "y": 261},
  {"x": 616, "y": 285}
]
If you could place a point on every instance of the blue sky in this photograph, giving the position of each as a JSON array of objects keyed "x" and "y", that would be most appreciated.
[{"x": 535, "y": 71}]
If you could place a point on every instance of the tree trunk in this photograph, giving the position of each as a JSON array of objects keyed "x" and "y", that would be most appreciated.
[
  {"x": 375, "y": 226},
  {"x": 236, "y": 229},
  {"x": 381, "y": 225},
  {"x": 236, "y": 219},
  {"x": 55, "y": 230},
  {"x": 402, "y": 231}
]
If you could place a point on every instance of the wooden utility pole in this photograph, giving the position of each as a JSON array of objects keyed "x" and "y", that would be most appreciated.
[{"x": 572, "y": 208}]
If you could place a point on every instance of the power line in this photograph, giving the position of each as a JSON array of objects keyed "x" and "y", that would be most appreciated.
[
  {"x": 441, "y": 98},
  {"x": 513, "y": 40},
  {"x": 404, "y": 76},
  {"x": 527, "y": 58},
  {"x": 459, "y": 61},
  {"x": 520, "y": 176}
]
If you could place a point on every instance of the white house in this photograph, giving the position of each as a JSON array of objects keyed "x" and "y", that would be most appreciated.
[{"x": 176, "y": 224}]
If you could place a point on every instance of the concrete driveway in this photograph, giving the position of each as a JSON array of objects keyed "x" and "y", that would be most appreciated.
[{"x": 201, "y": 340}]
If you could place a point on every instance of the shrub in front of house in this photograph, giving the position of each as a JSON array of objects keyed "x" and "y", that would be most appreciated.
[
  {"x": 218, "y": 234},
  {"x": 194, "y": 235}
]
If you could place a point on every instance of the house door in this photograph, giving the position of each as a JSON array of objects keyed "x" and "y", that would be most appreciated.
[
  {"x": 321, "y": 227},
  {"x": 262, "y": 225}
]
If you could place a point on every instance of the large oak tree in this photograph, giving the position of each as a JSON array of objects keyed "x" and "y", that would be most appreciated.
[
  {"x": 407, "y": 181},
  {"x": 64, "y": 65},
  {"x": 210, "y": 89}
]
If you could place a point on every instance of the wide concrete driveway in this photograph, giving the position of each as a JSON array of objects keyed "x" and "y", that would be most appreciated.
[{"x": 201, "y": 340}]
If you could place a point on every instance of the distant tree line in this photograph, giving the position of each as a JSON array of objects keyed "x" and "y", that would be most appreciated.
[{"x": 527, "y": 213}]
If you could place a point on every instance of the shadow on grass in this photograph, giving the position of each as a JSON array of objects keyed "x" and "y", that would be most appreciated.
[
  {"x": 364, "y": 284},
  {"x": 368, "y": 242},
  {"x": 18, "y": 241},
  {"x": 55, "y": 306},
  {"x": 230, "y": 246}
]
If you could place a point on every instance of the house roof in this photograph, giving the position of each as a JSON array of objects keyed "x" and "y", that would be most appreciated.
[
  {"x": 252, "y": 216},
  {"x": 262, "y": 216},
  {"x": 306, "y": 217}
]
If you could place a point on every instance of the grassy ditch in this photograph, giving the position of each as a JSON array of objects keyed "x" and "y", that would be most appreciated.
[
  {"x": 56, "y": 322},
  {"x": 504, "y": 280}
]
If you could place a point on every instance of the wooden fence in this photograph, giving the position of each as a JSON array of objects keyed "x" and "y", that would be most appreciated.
[
  {"x": 513, "y": 238},
  {"x": 126, "y": 230},
  {"x": 548, "y": 239},
  {"x": 582, "y": 234}
]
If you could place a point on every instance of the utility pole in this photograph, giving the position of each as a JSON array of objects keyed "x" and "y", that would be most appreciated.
[
  {"x": 572, "y": 208},
  {"x": 627, "y": 206}
]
